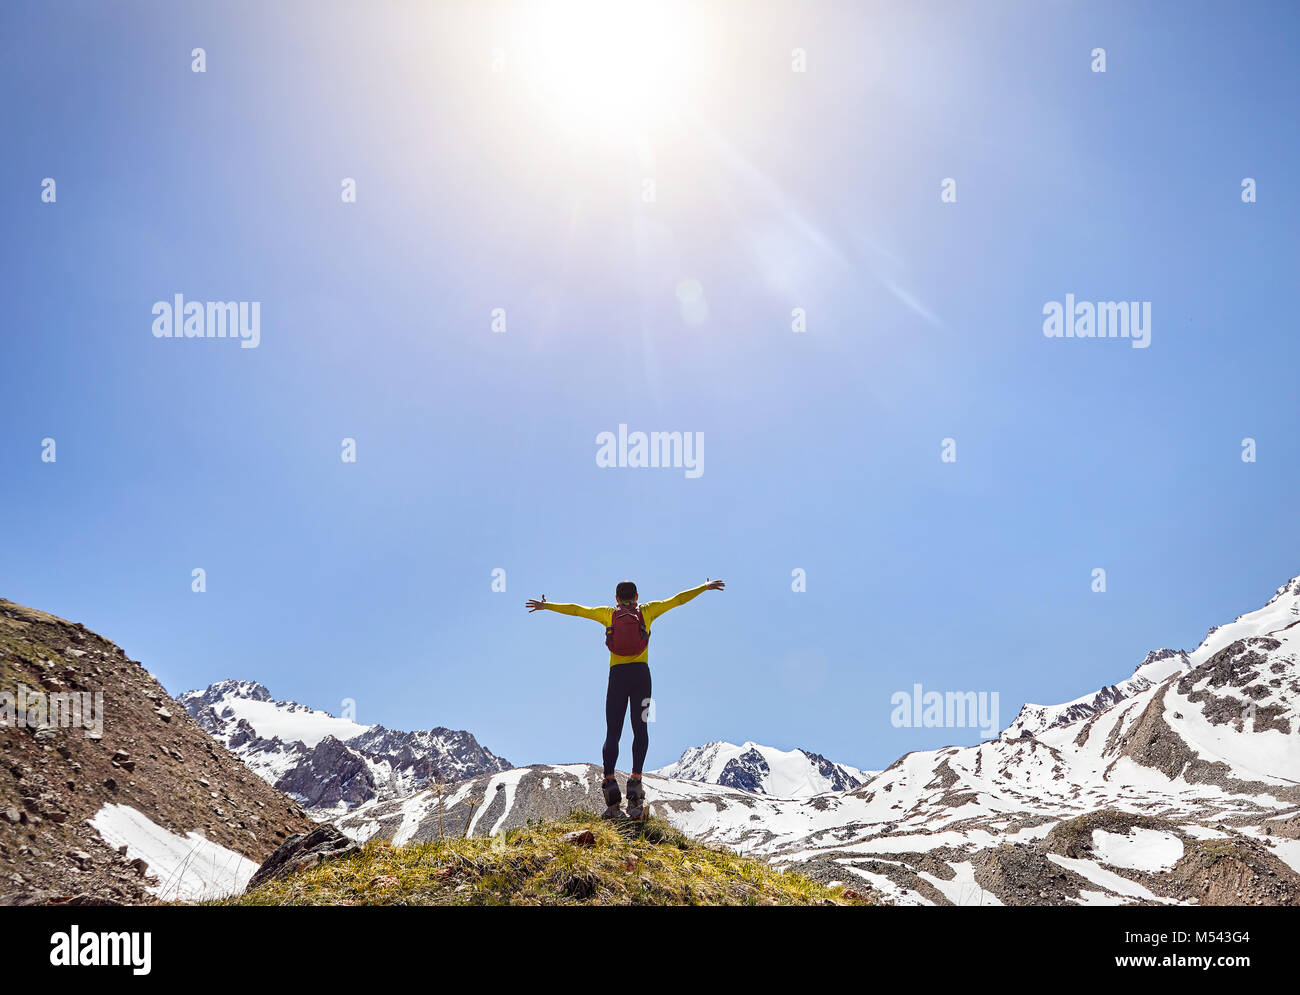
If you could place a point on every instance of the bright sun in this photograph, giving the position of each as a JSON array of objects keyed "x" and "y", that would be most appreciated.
[{"x": 609, "y": 65}]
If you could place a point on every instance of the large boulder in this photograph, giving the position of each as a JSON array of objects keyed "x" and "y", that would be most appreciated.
[{"x": 305, "y": 850}]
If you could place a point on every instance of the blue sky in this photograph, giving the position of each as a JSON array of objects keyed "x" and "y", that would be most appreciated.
[{"x": 775, "y": 190}]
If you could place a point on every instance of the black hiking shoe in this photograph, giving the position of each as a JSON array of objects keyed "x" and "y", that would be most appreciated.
[
  {"x": 636, "y": 806},
  {"x": 613, "y": 800}
]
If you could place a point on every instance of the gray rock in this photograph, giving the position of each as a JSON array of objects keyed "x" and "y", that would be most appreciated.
[{"x": 298, "y": 852}]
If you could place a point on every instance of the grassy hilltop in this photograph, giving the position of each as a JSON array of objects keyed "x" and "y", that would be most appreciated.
[{"x": 581, "y": 860}]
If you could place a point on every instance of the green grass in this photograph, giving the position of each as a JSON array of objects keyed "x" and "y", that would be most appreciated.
[
  {"x": 18, "y": 656},
  {"x": 629, "y": 864}
]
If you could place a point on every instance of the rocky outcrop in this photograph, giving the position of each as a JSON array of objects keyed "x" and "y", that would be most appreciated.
[
  {"x": 328, "y": 775},
  {"x": 1074, "y": 837},
  {"x": 300, "y": 852},
  {"x": 1236, "y": 871},
  {"x": 58, "y": 770}
]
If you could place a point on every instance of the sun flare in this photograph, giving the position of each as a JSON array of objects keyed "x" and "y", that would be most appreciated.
[{"x": 612, "y": 66}]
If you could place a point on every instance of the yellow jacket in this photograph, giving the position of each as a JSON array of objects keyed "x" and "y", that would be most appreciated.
[{"x": 650, "y": 611}]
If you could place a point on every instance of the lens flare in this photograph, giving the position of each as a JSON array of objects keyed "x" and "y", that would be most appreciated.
[{"x": 616, "y": 66}]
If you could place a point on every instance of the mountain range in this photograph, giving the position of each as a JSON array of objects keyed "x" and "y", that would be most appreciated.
[
  {"x": 330, "y": 764},
  {"x": 1179, "y": 784}
]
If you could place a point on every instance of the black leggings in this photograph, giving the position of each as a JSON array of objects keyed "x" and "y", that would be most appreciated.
[{"x": 627, "y": 682}]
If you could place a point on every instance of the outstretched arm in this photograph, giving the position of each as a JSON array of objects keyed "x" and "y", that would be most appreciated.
[
  {"x": 596, "y": 614},
  {"x": 653, "y": 609}
]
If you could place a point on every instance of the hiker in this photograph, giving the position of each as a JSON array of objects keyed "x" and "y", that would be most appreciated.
[{"x": 627, "y": 634}]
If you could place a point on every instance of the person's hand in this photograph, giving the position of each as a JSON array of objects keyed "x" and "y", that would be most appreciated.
[
  {"x": 714, "y": 585},
  {"x": 535, "y": 605}
]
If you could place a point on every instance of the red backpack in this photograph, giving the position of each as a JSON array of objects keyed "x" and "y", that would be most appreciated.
[{"x": 627, "y": 634}]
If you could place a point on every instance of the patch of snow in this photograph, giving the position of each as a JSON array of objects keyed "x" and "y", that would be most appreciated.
[
  {"x": 190, "y": 868},
  {"x": 1288, "y": 851},
  {"x": 1107, "y": 879},
  {"x": 291, "y": 723},
  {"x": 962, "y": 889},
  {"x": 1098, "y": 898},
  {"x": 1200, "y": 832},
  {"x": 1139, "y": 850},
  {"x": 890, "y": 890}
]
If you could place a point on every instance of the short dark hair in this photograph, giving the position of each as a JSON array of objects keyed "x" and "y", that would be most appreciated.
[{"x": 625, "y": 591}]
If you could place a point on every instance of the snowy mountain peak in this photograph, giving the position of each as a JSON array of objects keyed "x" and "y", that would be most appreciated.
[
  {"x": 1279, "y": 614},
  {"x": 286, "y": 721},
  {"x": 1264, "y": 630},
  {"x": 329, "y": 763},
  {"x": 250, "y": 690},
  {"x": 763, "y": 770},
  {"x": 1156, "y": 656},
  {"x": 1034, "y": 720},
  {"x": 1290, "y": 591}
]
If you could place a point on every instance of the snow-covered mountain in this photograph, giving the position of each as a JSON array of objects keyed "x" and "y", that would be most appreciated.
[
  {"x": 331, "y": 764},
  {"x": 1036, "y": 719},
  {"x": 763, "y": 770},
  {"x": 1180, "y": 785}
]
